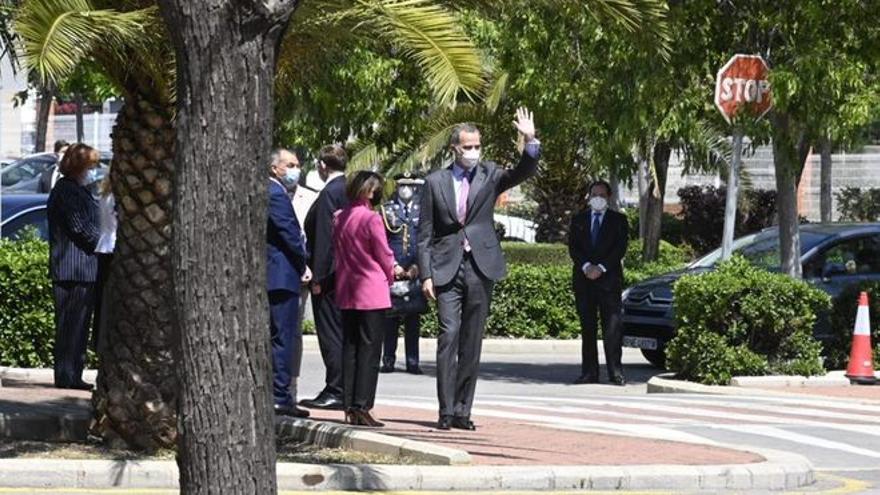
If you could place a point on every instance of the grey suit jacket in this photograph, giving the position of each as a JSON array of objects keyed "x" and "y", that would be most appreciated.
[{"x": 441, "y": 235}]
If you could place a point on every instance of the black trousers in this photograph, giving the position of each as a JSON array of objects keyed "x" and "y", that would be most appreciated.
[
  {"x": 592, "y": 302},
  {"x": 104, "y": 262},
  {"x": 462, "y": 306},
  {"x": 328, "y": 326},
  {"x": 74, "y": 303},
  {"x": 283, "y": 328},
  {"x": 363, "y": 332},
  {"x": 411, "y": 327}
]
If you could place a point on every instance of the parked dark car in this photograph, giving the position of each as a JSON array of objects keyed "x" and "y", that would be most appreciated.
[
  {"x": 19, "y": 211},
  {"x": 29, "y": 184},
  {"x": 833, "y": 256}
]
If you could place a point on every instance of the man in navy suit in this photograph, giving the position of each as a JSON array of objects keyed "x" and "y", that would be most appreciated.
[
  {"x": 597, "y": 244},
  {"x": 286, "y": 264}
]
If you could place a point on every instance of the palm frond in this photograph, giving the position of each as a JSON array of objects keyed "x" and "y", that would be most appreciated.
[
  {"x": 56, "y": 35},
  {"x": 429, "y": 34},
  {"x": 7, "y": 35},
  {"x": 496, "y": 91},
  {"x": 647, "y": 16},
  {"x": 367, "y": 156}
]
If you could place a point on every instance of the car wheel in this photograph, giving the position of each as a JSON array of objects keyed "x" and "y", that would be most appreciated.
[{"x": 655, "y": 357}]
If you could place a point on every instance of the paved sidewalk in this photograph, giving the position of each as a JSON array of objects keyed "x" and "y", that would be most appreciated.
[{"x": 510, "y": 442}]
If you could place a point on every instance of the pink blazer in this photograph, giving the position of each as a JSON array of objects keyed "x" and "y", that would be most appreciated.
[{"x": 364, "y": 262}]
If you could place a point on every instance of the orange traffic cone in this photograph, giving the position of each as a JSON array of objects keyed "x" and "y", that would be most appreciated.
[{"x": 861, "y": 360}]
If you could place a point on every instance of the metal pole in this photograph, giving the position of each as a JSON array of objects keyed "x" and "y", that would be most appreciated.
[{"x": 732, "y": 194}]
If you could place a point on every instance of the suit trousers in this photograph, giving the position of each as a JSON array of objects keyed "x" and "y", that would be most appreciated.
[
  {"x": 283, "y": 327},
  {"x": 362, "y": 345},
  {"x": 411, "y": 328},
  {"x": 328, "y": 326},
  {"x": 74, "y": 304},
  {"x": 462, "y": 306},
  {"x": 593, "y": 301}
]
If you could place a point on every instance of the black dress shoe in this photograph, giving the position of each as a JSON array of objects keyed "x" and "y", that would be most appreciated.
[
  {"x": 323, "y": 401},
  {"x": 584, "y": 379},
  {"x": 463, "y": 424},
  {"x": 618, "y": 380},
  {"x": 292, "y": 411},
  {"x": 414, "y": 370},
  {"x": 444, "y": 423},
  {"x": 387, "y": 368}
]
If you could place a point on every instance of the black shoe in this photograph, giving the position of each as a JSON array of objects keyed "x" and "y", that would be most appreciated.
[
  {"x": 584, "y": 379},
  {"x": 80, "y": 385},
  {"x": 323, "y": 401},
  {"x": 414, "y": 370},
  {"x": 387, "y": 368},
  {"x": 444, "y": 423},
  {"x": 463, "y": 424},
  {"x": 292, "y": 411},
  {"x": 618, "y": 380}
]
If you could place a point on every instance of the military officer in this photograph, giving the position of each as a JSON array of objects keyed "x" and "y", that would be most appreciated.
[{"x": 401, "y": 216}]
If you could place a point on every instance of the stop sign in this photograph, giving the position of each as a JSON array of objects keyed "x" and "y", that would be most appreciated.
[{"x": 742, "y": 86}]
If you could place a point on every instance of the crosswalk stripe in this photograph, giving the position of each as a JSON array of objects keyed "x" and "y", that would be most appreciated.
[{"x": 774, "y": 432}]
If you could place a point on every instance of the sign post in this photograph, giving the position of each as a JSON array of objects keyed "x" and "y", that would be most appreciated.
[{"x": 741, "y": 87}]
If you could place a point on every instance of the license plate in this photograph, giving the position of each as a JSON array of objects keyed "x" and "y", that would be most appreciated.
[{"x": 640, "y": 342}]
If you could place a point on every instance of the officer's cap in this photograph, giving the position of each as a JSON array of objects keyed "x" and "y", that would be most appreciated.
[{"x": 409, "y": 179}]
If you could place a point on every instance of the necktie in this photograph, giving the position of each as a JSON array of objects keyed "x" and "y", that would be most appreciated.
[
  {"x": 463, "y": 197},
  {"x": 594, "y": 232},
  {"x": 462, "y": 205}
]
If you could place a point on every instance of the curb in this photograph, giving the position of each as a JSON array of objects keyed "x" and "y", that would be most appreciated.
[
  {"x": 338, "y": 436},
  {"x": 428, "y": 346},
  {"x": 780, "y": 471},
  {"x": 666, "y": 384}
]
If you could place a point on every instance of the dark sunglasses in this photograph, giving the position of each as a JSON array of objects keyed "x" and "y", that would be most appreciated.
[{"x": 470, "y": 147}]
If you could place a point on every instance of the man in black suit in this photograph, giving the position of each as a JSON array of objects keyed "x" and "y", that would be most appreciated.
[
  {"x": 286, "y": 267},
  {"x": 597, "y": 244},
  {"x": 319, "y": 236},
  {"x": 460, "y": 258},
  {"x": 51, "y": 175}
]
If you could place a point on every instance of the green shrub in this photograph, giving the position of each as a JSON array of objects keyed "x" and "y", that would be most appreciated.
[
  {"x": 534, "y": 302},
  {"x": 671, "y": 226},
  {"x": 536, "y": 254},
  {"x": 27, "y": 321},
  {"x": 742, "y": 320},
  {"x": 856, "y": 205},
  {"x": 843, "y": 319}
]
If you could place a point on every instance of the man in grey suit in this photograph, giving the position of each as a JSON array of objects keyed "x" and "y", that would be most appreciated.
[{"x": 460, "y": 258}]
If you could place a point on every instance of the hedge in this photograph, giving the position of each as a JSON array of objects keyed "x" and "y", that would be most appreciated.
[
  {"x": 742, "y": 320},
  {"x": 843, "y": 319},
  {"x": 27, "y": 321}
]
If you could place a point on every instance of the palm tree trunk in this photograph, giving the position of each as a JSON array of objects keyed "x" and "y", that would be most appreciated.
[
  {"x": 654, "y": 198},
  {"x": 137, "y": 392},
  {"x": 44, "y": 108},
  {"x": 224, "y": 139}
]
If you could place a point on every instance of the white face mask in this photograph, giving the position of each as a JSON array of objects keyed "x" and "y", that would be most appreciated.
[
  {"x": 469, "y": 158},
  {"x": 405, "y": 193},
  {"x": 598, "y": 203}
]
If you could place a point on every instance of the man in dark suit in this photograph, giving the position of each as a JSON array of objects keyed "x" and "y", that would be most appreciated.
[
  {"x": 286, "y": 265},
  {"x": 51, "y": 175},
  {"x": 460, "y": 258},
  {"x": 597, "y": 244},
  {"x": 319, "y": 235}
]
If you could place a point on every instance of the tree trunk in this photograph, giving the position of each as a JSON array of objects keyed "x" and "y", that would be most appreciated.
[
  {"x": 44, "y": 108},
  {"x": 825, "y": 200},
  {"x": 226, "y": 54},
  {"x": 616, "y": 200},
  {"x": 136, "y": 397},
  {"x": 788, "y": 160},
  {"x": 653, "y": 205},
  {"x": 642, "y": 178},
  {"x": 80, "y": 133}
]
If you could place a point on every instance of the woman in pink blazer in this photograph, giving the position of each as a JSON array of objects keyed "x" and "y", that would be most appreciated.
[{"x": 364, "y": 273}]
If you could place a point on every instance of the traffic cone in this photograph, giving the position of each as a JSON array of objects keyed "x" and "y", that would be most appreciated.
[{"x": 861, "y": 359}]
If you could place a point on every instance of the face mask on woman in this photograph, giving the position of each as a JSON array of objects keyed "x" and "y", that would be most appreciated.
[{"x": 91, "y": 176}]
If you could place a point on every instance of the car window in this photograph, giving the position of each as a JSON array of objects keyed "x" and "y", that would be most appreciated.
[
  {"x": 761, "y": 249},
  {"x": 855, "y": 256},
  {"x": 16, "y": 227}
]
